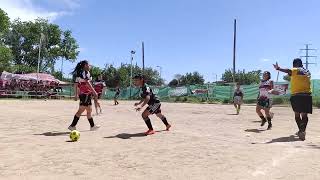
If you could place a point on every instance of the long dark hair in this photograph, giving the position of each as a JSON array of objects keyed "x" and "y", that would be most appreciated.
[
  {"x": 140, "y": 77},
  {"x": 78, "y": 69}
]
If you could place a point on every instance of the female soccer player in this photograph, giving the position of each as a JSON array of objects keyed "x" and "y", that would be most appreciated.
[
  {"x": 83, "y": 90},
  {"x": 265, "y": 99},
  {"x": 99, "y": 86},
  {"x": 154, "y": 104},
  {"x": 116, "y": 96},
  {"x": 301, "y": 99},
  {"x": 237, "y": 98}
]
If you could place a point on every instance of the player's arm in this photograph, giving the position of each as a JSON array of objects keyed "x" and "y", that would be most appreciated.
[
  {"x": 145, "y": 100},
  {"x": 91, "y": 88},
  {"x": 278, "y": 68},
  {"x": 76, "y": 91},
  {"x": 242, "y": 95}
]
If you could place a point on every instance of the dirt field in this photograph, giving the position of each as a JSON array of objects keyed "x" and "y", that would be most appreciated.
[{"x": 206, "y": 142}]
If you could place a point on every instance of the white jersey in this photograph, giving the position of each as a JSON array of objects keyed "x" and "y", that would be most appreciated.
[{"x": 264, "y": 88}]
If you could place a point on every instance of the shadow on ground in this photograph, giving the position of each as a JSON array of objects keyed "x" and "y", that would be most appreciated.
[
  {"x": 255, "y": 130},
  {"x": 291, "y": 138},
  {"x": 127, "y": 136},
  {"x": 54, "y": 133}
]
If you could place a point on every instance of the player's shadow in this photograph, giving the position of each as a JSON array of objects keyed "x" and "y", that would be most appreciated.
[
  {"x": 127, "y": 136},
  {"x": 53, "y": 133},
  {"x": 256, "y": 121},
  {"x": 291, "y": 138},
  {"x": 234, "y": 114},
  {"x": 313, "y": 146},
  {"x": 255, "y": 130}
]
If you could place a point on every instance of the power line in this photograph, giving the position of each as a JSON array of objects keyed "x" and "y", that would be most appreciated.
[{"x": 307, "y": 56}]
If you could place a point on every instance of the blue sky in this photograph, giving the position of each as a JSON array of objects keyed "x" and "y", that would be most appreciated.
[{"x": 183, "y": 35}]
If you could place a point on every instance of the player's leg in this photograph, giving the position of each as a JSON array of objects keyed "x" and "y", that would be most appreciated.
[
  {"x": 145, "y": 116},
  {"x": 258, "y": 111},
  {"x": 93, "y": 127},
  {"x": 163, "y": 119},
  {"x": 76, "y": 118},
  {"x": 267, "y": 112}
]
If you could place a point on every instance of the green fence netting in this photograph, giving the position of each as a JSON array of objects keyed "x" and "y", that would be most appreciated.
[{"x": 209, "y": 91}]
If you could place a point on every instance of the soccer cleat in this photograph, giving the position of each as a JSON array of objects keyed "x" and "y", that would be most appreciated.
[
  {"x": 269, "y": 126},
  {"x": 94, "y": 128},
  {"x": 71, "y": 128},
  {"x": 149, "y": 132},
  {"x": 168, "y": 127},
  {"x": 302, "y": 136},
  {"x": 263, "y": 122}
]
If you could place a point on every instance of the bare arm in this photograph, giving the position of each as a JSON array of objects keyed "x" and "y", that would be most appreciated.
[
  {"x": 277, "y": 67},
  {"x": 91, "y": 88},
  {"x": 76, "y": 91},
  {"x": 145, "y": 101}
]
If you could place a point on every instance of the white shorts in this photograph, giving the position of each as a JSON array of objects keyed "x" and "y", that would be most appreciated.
[{"x": 237, "y": 100}]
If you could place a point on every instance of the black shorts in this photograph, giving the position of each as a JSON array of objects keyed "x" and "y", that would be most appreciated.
[
  {"x": 99, "y": 95},
  {"x": 85, "y": 99},
  {"x": 116, "y": 96},
  {"x": 265, "y": 103},
  {"x": 301, "y": 103},
  {"x": 154, "y": 108}
]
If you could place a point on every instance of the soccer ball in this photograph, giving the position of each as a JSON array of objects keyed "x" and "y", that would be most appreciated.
[{"x": 74, "y": 135}]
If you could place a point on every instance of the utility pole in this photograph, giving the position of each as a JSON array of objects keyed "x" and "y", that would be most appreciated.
[
  {"x": 307, "y": 56},
  {"x": 142, "y": 58},
  {"x": 234, "y": 50},
  {"x": 132, "y": 53}
]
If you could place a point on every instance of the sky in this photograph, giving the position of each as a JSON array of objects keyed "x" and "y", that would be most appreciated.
[{"x": 183, "y": 35}]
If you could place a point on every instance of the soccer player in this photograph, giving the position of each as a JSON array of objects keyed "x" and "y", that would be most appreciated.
[
  {"x": 301, "y": 98},
  {"x": 83, "y": 90},
  {"x": 99, "y": 86},
  {"x": 237, "y": 98},
  {"x": 116, "y": 96},
  {"x": 265, "y": 99},
  {"x": 154, "y": 105}
]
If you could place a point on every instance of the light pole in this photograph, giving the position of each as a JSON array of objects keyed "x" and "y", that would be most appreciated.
[
  {"x": 65, "y": 49},
  {"x": 132, "y": 53},
  {"x": 160, "y": 70},
  {"x": 216, "y": 75},
  {"x": 39, "y": 53}
]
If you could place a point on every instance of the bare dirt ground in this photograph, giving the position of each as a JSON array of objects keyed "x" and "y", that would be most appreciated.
[{"x": 206, "y": 142}]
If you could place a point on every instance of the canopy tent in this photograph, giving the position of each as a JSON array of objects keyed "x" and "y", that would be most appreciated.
[{"x": 5, "y": 76}]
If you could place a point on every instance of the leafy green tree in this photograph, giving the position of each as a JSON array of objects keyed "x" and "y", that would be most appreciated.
[
  {"x": 5, "y": 58},
  {"x": 24, "y": 42},
  {"x": 95, "y": 72},
  {"x": 173, "y": 83},
  {"x": 251, "y": 77},
  {"x": 4, "y": 23},
  {"x": 191, "y": 78}
]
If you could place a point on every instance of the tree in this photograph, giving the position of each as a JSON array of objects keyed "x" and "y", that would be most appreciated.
[
  {"x": 287, "y": 78},
  {"x": 95, "y": 72},
  {"x": 251, "y": 77},
  {"x": 68, "y": 48},
  {"x": 121, "y": 76},
  {"x": 23, "y": 39},
  {"x": 5, "y": 58},
  {"x": 173, "y": 83},
  {"x": 191, "y": 78},
  {"x": 4, "y": 23},
  {"x": 5, "y": 53}
]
